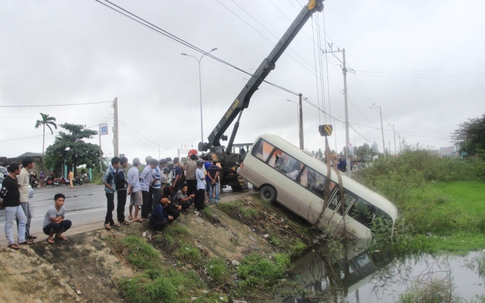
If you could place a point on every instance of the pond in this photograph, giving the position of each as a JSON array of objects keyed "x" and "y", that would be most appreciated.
[{"x": 355, "y": 274}]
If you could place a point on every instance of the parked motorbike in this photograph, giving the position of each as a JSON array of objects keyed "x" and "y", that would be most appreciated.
[
  {"x": 34, "y": 183},
  {"x": 63, "y": 180},
  {"x": 78, "y": 180},
  {"x": 85, "y": 178},
  {"x": 51, "y": 181}
]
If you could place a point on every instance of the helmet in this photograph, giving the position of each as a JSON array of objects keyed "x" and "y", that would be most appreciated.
[
  {"x": 192, "y": 152},
  {"x": 200, "y": 162}
]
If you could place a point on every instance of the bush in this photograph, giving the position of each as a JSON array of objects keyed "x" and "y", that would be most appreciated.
[
  {"x": 436, "y": 291},
  {"x": 255, "y": 270}
]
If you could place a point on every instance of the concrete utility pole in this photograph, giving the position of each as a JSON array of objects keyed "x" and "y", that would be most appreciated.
[
  {"x": 374, "y": 106},
  {"x": 300, "y": 120},
  {"x": 347, "y": 140},
  {"x": 302, "y": 145},
  {"x": 115, "y": 128}
]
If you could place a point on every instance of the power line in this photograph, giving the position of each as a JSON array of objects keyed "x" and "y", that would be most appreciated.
[
  {"x": 53, "y": 105},
  {"x": 443, "y": 73}
]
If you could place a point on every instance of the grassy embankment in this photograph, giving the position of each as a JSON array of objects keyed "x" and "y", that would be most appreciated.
[
  {"x": 171, "y": 267},
  {"x": 441, "y": 201}
]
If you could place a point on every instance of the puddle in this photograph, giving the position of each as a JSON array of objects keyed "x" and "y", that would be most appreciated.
[{"x": 356, "y": 275}]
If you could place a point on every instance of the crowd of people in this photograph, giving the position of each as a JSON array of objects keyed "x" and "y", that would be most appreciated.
[
  {"x": 159, "y": 193},
  {"x": 15, "y": 194},
  {"x": 162, "y": 191}
]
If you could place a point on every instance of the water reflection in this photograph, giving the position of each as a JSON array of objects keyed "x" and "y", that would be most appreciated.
[
  {"x": 332, "y": 270},
  {"x": 354, "y": 274}
]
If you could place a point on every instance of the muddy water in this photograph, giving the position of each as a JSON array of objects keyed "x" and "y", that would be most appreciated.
[
  {"x": 386, "y": 284},
  {"x": 363, "y": 276}
]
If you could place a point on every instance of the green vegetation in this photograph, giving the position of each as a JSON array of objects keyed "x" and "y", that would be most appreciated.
[
  {"x": 139, "y": 253},
  {"x": 440, "y": 200},
  {"x": 245, "y": 212},
  {"x": 256, "y": 271},
  {"x": 159, "y": 282},
  {"x": 70, "y": 149},
  {"x": 470, "y": 136},
  {"x": 435, "y": 291},
  {"x": 218, "y": 270}
]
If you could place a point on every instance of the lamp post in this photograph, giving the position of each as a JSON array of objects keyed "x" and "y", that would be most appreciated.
[
  {"x": 374, "y": 106},
  {"x": 200, "y": 89}
]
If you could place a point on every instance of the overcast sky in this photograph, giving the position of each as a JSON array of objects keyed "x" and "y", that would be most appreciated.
[{"x": 421, "y": 62}]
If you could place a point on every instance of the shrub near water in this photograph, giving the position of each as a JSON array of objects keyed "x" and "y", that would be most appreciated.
[
  {"x": 256, "y": 270},
  {"x": 441, "y": 215}
]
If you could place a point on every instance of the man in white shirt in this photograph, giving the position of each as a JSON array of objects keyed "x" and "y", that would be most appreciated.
[{"x": 23, "y": 180}]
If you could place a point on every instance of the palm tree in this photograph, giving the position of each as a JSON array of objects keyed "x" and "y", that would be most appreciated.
[{"x": 46, "y": 121}]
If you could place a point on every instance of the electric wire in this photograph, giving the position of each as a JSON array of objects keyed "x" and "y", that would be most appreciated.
[
  {"x": 159, "y": 30},
  {"x": 55, "y": 105}
]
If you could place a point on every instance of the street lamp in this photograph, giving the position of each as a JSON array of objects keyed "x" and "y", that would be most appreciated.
[
  {"x": 200, "y": 89},
  {"x": 374, "y": 106}
]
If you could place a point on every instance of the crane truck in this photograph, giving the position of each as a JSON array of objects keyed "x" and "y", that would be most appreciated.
[{"x": 228, "y": 159}]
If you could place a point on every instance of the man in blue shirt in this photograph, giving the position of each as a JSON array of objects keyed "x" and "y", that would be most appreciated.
[
  {"x": 109, "y": 181},
  {"x": 159, "y": 219}
]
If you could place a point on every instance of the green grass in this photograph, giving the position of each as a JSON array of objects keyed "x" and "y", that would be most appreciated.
[
  {"x": 447, "y": 217},
  {"x": 256, "y": 271},
  {"x": 140, "y": 253}
]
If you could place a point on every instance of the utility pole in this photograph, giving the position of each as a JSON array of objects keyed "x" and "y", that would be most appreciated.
[
  {"x": 374, "y": 106},
  {"x": 302, "y": 146},
  {"x": 115, "y": 128},
  {"x": 394, "y": 133},
  {"x": 299, "y": 117},
  {"x": 347, "y": 140}
]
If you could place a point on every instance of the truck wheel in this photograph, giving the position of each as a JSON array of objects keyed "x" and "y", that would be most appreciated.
[
  {"x": 236, "y": 188},
  {"x": 267, "y": 193}
]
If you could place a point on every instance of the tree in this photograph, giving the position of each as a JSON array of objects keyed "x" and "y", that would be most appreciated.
[
  {"x": 69, "y": 148},
  {"x": 470, "y": 136},
  {"x": 45, "y": 121}
]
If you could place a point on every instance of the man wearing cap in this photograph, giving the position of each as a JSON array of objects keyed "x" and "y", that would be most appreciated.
[{"x": 134, "y": 190}]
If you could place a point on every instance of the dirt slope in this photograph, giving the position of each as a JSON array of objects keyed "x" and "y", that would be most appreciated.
[{"x": 84, "y": 269}]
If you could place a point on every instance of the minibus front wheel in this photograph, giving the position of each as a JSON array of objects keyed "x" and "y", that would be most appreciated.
[{"x": 267, "y": 193}]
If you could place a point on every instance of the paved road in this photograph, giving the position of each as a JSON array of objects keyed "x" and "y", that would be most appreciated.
[{"x": 85, "y": 205}]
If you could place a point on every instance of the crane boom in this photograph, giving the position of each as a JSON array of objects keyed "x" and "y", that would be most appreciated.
[{"x": 242, "y": 100}]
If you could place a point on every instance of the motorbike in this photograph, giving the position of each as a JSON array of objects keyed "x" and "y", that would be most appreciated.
[
  {"x": 85, "y": 178},
  {"x": 34, "y": 183},
  {"x": 78, "y": 180},
  {"x": 63, "y": 180},
  {"x": 51, "y": 181}
]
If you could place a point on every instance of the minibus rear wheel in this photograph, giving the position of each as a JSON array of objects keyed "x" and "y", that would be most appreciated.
[{"x": 267, "y": 193}]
